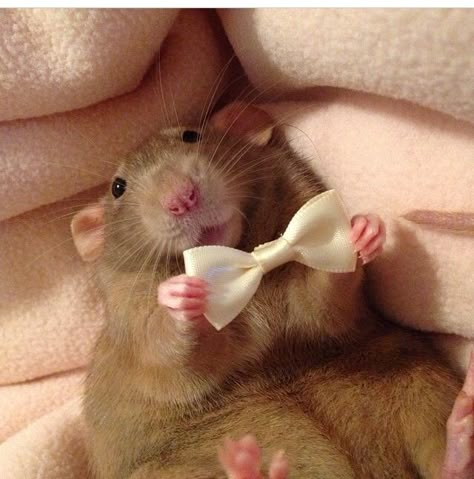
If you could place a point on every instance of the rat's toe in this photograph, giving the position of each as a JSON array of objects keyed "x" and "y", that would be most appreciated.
[
  {"x": 241, "y": 459},
  {"x": 279, "y": 466}
]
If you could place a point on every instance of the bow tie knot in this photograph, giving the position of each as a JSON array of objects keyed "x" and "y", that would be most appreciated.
[
  {"x": 273, "y": 254},
  {"x": 317, "y": 236}
]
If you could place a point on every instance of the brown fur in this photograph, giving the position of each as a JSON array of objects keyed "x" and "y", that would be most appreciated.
[{"x": 306, "y": 367}]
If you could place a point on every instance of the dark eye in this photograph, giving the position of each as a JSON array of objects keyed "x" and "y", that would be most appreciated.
[
  {"x": 118, "y": 187},
  {"x": 190, "y": 136}
]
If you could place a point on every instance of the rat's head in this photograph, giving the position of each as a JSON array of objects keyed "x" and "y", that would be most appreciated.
[{"x": 185, "y": 187}]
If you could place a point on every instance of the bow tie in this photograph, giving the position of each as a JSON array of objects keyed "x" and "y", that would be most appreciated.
[{"x": 317, "y": 236}]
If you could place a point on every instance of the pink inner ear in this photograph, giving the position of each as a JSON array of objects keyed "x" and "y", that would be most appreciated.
[
  {"x": 87, "y": 228},
  {"x": 241, "y": 119}
]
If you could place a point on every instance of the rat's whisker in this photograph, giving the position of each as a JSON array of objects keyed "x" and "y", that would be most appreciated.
[
  {"x": 130, "y": 253},
  {"x": 204, "y": 118},
  {"x": 163, "y": 100},
  {"x": 249, "y": 168},
  {"x": 235, "y": 158},
  {"x": 239, "y": 211},
  {"x": 249, "y": 103}
]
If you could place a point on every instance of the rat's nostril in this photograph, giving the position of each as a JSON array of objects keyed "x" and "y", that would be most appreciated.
[
  {"x": 176, "y": 210},
  {"x": 191, "y": 196}
]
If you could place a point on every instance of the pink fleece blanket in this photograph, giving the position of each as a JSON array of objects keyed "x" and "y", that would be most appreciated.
[{"x": 82, "y": 87}]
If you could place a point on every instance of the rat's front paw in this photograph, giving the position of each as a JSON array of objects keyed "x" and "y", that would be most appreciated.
[
  {"x": 242, "y": 460},
  {"x": 368, "y": 236},
  {"x": 185, "y": 297}
]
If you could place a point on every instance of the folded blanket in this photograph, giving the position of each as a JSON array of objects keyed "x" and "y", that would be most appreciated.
[
  {"x": 421, "y": 55},
  {"x": 77, "y": 105},
  {"x": 56, "y": 60},
  {"x": 49, "y": 308},
  {"x": 53, "y": 447},
  {"x": 23, "y": 403}
]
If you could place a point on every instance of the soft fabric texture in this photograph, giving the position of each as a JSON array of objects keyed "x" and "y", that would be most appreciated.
[
  {"x": 81, "y": 88},
  {"x": 52, "y": 447},
  {"x": 56, "y": 60},
  {"x": 421, "y": 55},
  {"x": 22, "y": 403}
]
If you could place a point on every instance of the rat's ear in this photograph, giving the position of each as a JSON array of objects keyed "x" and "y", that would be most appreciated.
[
  {"x": 87, "y": 228},
  {"x": 244, "y": 120}
]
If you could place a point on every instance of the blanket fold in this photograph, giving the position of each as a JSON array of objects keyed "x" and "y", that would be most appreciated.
[
  {"x": 421, "y": 55},
  {"x": 57, "y": 60},
  {"x": 53, "y": 447},
  {"x": 23, "y": 403}
]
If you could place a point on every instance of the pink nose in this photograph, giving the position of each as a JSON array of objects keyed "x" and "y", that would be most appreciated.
[{"x": 182, "y": 199}]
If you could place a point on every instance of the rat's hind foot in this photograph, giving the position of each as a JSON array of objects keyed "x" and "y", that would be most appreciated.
[
  {"x": 459, "y": 459},
  {"x": 242, "y": 460}
]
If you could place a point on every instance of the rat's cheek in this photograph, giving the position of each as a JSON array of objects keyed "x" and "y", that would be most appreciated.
[{"x": 234, "y": 232}]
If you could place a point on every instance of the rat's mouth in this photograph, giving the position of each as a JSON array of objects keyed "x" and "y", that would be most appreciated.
[{"x": 213, "y": 235}]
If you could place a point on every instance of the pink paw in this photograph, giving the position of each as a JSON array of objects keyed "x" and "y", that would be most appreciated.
[
  {"x": 242, "y": 460},
  {"x": 185, "y": 297},
  {"x": 368, "y": 236},
  {"x": 459, "y": 459}
]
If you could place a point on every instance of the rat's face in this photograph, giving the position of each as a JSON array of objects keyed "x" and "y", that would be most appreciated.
[{"x": 184, "y": 188}]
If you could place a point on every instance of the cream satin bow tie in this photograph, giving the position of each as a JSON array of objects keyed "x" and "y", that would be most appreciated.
[{"x": 317, "y": 236}]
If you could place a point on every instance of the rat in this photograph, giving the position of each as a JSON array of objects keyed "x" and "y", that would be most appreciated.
[{"x": 313, "y": 382}]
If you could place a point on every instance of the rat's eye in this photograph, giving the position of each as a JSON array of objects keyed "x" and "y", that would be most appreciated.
[
  {"x": 118, "y": 187},
  {"x": 190, "y": 136}
]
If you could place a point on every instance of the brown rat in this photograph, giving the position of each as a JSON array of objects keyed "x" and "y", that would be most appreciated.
[{"x": 306, "y": 367}]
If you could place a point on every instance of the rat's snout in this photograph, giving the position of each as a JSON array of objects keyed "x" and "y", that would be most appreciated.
[{"x": 181, "y": 198}]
